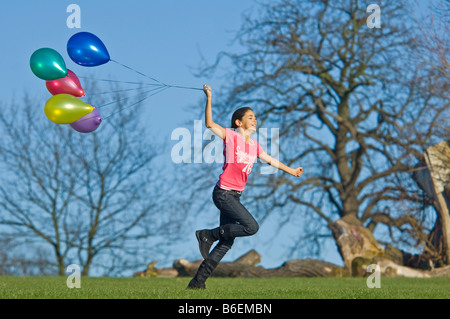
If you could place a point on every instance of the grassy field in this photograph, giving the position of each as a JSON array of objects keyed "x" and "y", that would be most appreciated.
[{"x": 223, "y": 288}]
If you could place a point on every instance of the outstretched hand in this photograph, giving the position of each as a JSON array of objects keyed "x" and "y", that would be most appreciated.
[
  {"x": 297, "y": 172},
  {"x": 207, "y": 90}
]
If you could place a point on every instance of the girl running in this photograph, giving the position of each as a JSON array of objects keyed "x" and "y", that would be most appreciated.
[{"x": 240, "y": 152}]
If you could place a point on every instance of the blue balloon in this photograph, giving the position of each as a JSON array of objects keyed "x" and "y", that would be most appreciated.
[{"x": 87, "y": 49}]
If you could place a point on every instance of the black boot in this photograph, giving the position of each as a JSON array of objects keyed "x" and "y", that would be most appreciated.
[
  {"x": 203, "y": 272},
  {"x": 205, "y": 239}
]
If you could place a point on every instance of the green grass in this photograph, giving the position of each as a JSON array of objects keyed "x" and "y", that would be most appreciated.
[{"x": 223, "y": 288}]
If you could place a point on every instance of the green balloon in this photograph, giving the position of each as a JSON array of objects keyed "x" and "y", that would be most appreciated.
[{"x": 47, "y": 64}]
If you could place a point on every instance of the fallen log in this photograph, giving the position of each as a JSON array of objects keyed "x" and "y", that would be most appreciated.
[
  {"x": 152, "y": 271},
  {"x": 440, "y": 272},
  {"x": 251, "y": 258},
  {"x": 244, "y": 267},
  {"x": 186, "y": 268},
  {"x": 387, "y": 268}
]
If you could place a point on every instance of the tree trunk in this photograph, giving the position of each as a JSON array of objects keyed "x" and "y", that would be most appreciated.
[
  {"x": 60, "y": 260},
  {"x": 354, "y": 240},
  {"x": 435, "y": 182}
]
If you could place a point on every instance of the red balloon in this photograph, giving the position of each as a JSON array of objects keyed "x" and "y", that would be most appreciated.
[{"x": 66, "y": 85}]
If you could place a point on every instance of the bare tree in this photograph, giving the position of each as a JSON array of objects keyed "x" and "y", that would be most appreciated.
[
  {"x": 89, "y": 199},
  {"x": 434, "y": 27},
  {"x": 354, "y": 107}
]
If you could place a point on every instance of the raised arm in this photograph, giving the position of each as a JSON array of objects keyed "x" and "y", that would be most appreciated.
[
  {"x": 297, "y": 172},
  {"x": 215, "y": 128}
]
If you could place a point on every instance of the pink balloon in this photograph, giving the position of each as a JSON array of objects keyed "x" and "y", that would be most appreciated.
[{"x": 66, "y": 85}]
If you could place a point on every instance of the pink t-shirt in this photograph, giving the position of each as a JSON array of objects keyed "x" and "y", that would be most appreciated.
[{"x": 239, "y": 158}]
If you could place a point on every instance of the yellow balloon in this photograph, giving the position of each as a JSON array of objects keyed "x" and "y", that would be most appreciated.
[{"x": 66, "y": 109}]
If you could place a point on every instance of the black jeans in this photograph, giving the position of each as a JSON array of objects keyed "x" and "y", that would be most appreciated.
[{"x": 235, "y": 221}]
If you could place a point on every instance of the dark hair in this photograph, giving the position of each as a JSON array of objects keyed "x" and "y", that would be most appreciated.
[{"x": 238, "y": 115}]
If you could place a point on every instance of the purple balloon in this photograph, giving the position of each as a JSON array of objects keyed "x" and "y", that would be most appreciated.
[{"x": 88, "y": 123}]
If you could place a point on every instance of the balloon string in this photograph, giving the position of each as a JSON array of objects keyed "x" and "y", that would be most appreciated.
[
  {"x": 158, "y": 88},
  {"x": 117, "y": 81},
  {"x": 155, "y": 91},
  {"x": 149, "y": 77},
  {"x": 117, "y": 91},
  {"x": 184, "y": 87},
  {"x": 141, "y": 100},
  {"x": 127, "y": 97},
  {"x": 140, "y": 83}
]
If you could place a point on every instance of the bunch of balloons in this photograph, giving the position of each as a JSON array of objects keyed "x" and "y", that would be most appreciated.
[{"x": 65, "y": 107}]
